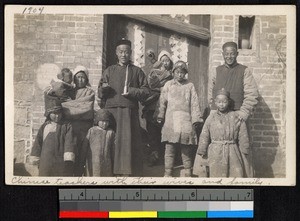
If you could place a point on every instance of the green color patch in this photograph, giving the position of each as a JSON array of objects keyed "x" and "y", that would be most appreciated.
[{"x": 181, "y": 214}]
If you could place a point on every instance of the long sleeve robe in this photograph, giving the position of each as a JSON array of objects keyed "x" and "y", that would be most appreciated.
[
  {"x": 128, "y": 149},
  {"x": 179, "y": 108},
  {"x": 224, "y": 139},
  {"x": 98, "y": 151},
  {"x": 54, "y": 144}
]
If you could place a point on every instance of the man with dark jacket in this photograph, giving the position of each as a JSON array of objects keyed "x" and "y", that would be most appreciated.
[{"x": 120, "y": 89}]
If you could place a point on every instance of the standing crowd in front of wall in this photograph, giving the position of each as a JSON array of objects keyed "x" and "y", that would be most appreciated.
[{"x": 75, "y": 140}]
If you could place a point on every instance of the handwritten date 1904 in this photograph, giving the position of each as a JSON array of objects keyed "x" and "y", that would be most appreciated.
[{"x": 33, "y": 10}]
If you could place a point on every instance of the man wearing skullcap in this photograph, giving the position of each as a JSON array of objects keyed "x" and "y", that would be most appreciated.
[
  {"x": 223, "y": 141},
  {"x": 238, "y": 80},
  {"x": 120, "y": 89}
]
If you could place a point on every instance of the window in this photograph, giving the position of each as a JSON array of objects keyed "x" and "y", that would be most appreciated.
[{"x": 246, "y": 32}]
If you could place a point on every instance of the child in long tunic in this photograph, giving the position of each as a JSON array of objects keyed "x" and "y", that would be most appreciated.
[
  {"x": 223, "y": 141},
  {"x": 98, "y": 147},
  {"x": 179, "y": 110},
  {"x": 53, "y": 149}
]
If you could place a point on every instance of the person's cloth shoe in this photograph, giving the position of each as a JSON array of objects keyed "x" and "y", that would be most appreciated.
[
  {"x": 187, "y": 173},
  {"x": 168, "y": 173}
]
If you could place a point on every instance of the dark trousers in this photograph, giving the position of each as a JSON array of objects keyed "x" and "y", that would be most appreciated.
[{"x": 154, "y": 133}]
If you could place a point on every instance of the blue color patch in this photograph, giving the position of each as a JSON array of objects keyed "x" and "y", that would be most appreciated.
[{"x": 230, "y": 214}]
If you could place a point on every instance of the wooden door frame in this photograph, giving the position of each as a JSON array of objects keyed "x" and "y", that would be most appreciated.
[{"x": 200, "y": 65}]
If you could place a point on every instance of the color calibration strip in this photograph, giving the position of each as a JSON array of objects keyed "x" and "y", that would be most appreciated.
[
  {"x": 154, "y": 214},
  {"x": 163, "y": 203},
  {"x": 150, "y": 210}
]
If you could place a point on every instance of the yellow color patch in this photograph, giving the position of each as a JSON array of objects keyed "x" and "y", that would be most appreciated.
[{"x": 133, "y": 214}]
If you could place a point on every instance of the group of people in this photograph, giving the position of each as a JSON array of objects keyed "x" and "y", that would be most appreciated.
[{"x": 75, "y": 140}]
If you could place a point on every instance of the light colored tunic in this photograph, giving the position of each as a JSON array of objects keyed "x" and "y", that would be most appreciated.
[
  {"x": 179, "y": 107},
  {"x": 224, "y": 139}
]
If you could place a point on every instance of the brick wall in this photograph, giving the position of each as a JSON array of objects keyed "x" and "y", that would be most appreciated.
[
  {"x": 44, "y": 44},
  {"x": 55, "y": 41},
  {"x": 49, "y": 42},
  {"x": 266, "y": 59}
]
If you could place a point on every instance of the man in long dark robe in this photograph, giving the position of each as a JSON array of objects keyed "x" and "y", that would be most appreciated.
[{"x": 120, "y": 88}]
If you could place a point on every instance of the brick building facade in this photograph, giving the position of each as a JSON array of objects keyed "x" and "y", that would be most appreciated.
[
  {"x": 266, "y": 59},
  {"x": 46, "y": 43}
]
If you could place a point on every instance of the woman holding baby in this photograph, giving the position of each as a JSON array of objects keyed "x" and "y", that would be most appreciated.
[{"x": 80, "y": 111}]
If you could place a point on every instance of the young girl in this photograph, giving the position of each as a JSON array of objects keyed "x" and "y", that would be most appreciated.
[
  {"x": 179, "y": 109},
  {"x": 224, "y": 139},
  {"x": 53, "y": 149},
  {"x": 98, "y": 147}
]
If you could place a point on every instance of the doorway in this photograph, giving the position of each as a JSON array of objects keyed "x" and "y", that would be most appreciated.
[{"x": 157, "y": 38}]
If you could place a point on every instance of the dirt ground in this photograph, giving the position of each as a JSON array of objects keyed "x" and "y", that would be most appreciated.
[{"x": 21, "y": 169}]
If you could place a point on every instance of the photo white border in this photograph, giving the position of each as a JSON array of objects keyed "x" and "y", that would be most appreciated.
[{"x": 288, "y": 10}]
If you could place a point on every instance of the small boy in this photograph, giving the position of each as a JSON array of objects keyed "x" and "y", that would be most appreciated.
[
  {"x": 53, "y": 149},
  {"x": 98, "y": 147},
  {"x": 62, "y": 86},
  {"x": 224, "y": 141}
]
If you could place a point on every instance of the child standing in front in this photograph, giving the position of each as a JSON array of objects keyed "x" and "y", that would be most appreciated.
[
  {"x": 224, "y": 140},
  {"x": 98, "y": 147},
  {"x": 53, "y": 149},
  {"x": 179, "y": 111}
]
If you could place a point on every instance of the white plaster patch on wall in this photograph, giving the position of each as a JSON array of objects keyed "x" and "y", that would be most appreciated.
[
  {"x": 182, "y": 17},
  {"x": 179, "y": 44},
  {"x": 99, "y": 60},
  {"x": 179, "y": 48},
  {"x": 136, "y": 33},
  {"x": 45, "y": 73}
]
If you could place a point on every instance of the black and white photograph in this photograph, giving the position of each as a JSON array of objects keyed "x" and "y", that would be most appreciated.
[{"x": 150, "y": 95}]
